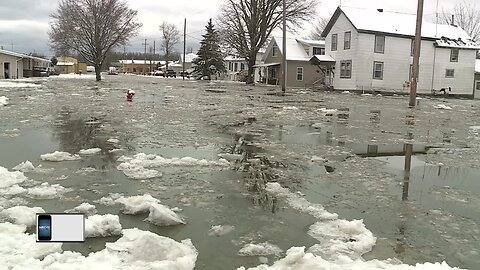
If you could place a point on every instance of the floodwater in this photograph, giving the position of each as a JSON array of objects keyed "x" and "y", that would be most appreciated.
[{"x": 431, "y": 215}]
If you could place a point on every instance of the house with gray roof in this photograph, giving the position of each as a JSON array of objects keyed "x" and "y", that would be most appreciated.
[
  {"x": 16, "y": 65},
  {"x": 373, "y": 50}
]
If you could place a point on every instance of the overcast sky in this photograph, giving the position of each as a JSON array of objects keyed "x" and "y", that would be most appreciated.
[{"x": 24, "y": 24}]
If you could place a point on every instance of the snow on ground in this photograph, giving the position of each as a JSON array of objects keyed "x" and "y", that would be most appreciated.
[
  {"x": 102, "y": 226},
  {"x": 136, "y": 204},
  {"x": 442, "y": 107},
  {"x": 219, "y": 230},
  {"x": 262, "y": 249},
  {"x": 75, "y": 76},
  {"x": 59, "y": 156},
  {"x": 136, "y": 249},
  {"x": 161, "y": 215},
  {"x": 22, "y": 215},
  {"x": 139, "y": 167},
  {"x": 26, "y": 166},
  {"x": 3, "y": 101},
  {"x": 8, "y": 179},
  {"x": 297, "y": 259},
  {"x": 8, "y": 84},
  {"x": 85, "y": 208},
  {"x": 337, "y": 237},
  {"x": 91, "y": 151},
  {"x": 47, "y": 191},
  {"x": 113, "y": 140}
]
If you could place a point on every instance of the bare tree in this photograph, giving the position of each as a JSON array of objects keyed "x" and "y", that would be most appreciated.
[
  {"x": 246, "y": 25},
  {"x": 92, "y": 28},
  {"x": 318, "y": 27},
  {"x": 171, "y": 37},
  {"x": 466, "y": 16}
]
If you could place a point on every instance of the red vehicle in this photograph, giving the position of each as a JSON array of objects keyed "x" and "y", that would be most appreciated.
[{"x": 158, "y": 73}]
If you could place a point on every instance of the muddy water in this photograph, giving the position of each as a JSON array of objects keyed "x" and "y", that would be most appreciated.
[{"x": 176, "y": 118}]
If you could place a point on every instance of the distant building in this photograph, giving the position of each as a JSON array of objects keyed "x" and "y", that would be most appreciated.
[
  {"x": 16, "y": 65},
  {"x": 373, "y": 50},
  {"x": 237, "y": 67},
  {"x": 300, "y": 72},
  {"x": 69, "y": 65},
  {"x": 139, "y": 67},
  {"x": 477, "y": 78}
]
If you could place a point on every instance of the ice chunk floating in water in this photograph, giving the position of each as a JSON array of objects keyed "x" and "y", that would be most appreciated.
[
  {"x": 22, "y": 215},
  {"x": 89, "y": 151},
  {"x": 102, "y": 226},
  {"x": 8, "y": 179},
  {"x": 161, "y": 215},
  {"x": 3, "y": 101},
  {"x": 59, "y": 156}
]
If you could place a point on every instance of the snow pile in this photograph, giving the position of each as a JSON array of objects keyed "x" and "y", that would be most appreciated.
[
  {"x": 59, "y": 156},
  {"x": 85, "y": 208},
  {"x": 219, "y": 230},
  {"x": 136, "y": 204},
  {"x": 102, "y": 226},
  {"x": 22, "y": 215},
  {"x": 19, "y": 248},
  {"x": 161, "y": 215},
  {"x": 47, "y": 191},
  {"x": 8, "y": 179},
  {"x": 26, "y": 166},
  {"x": 299, "y": 260},
  {"x": 3, "y": 101},
  {"x": 112, "y": 140},
  {"x": 139, "y": 167},
  {"x": 6, "y": 84},
  {"x": 12, "y": 190},
  {"x": 337, "y": 237},
  {"x": 89, "y": 151},
  {"x": 262, "y": 249},
  {"x": 442, "y": 107}
]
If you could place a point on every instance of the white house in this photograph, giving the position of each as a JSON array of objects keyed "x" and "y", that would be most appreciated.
[
  {"x": 373, "y": 50},
  {"x": 16, "y": 65},
  {"x": 300, "y": 71},
  {"x": 237, "y": 67}
]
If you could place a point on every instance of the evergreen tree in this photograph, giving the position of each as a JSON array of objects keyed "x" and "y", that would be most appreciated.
[{"x": 210, "y": 58}]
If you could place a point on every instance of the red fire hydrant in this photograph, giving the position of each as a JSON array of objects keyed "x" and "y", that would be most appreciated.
[{"x": 130, "y": 94}]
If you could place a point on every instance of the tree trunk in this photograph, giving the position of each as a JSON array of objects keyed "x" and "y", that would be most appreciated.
[
  {"x": 98, "y": 72},
  {"x": 251, "y": 71}
]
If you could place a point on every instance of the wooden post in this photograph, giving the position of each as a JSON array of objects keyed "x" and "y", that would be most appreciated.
[
  {"x": 416, "y": 55},
  {"x": 184, "y": 45},
  {"x": 284, "y": 81}
]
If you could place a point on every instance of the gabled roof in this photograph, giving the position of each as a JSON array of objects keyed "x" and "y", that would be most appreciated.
[
  {"x": 19, "y": 55},
  {"x": 295, "y": 50},
  {"x": 396, "y": 24}
]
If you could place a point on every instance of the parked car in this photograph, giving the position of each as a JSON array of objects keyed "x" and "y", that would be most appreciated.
[
  {"x": 186, "y": 74},
  {"x": 170, "y": 73},
  {"x": 158, "y": 73}
]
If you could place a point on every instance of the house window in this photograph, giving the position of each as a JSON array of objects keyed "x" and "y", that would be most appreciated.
[
  {"x": 379, "y": 44},
  {"x": 454, "y": 55},
  {"x": 299, "y": 73},
  {"x": 346, "y": 40},
  {"x": 334, "y": 42},
  {"x": 275, "y": 51},
  {"x": 412, "y": 47},
  {"x": 477, "y": 87},
  {"x": 346, "y": 69},
  {"x": 450, "y": 73},
  {"x": 378, "y": 70},
  {"x": 274, "y": 73},
  {"x": 242, "y": 66},
  {"x": 230, "y": 66},
  {"x": 318, "y": 51},
  {"x": 235, "y": 68},
  {"x": 134, "y": 70}
]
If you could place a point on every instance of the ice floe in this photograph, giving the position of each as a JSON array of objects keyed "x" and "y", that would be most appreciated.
[
  {"x": 22, "y": 215},
  {"x": 12, "y": 190},
  {"x": 219, "y": 230},
  {"x": 91, "y": 151},
  {"x": 47, "y": 191},
  {"x": 140, "y": 166},
  {"x": 26, "y": 166},
  {"x": 85, "y": 208},
  {"x": 261, "y": 249},
  {"x": 3, "y": 101},
  {"x": 59, "y": 156},
  {"x": 161, "y": 215},
  {"x": 8, "y": 179},
  {"x": 102, "y": 226},
  {"x": 136, "y": 204},
  {"x": 6, "y": 84},
  {"x": 297, "y": 259}
]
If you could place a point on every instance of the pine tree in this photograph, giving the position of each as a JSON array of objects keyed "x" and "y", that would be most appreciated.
[{"x": 210, "y": 58}]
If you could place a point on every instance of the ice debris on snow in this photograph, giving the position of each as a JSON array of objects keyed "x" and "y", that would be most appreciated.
[
  {"x": 47, "y": 191},
  {"x": 161, "y": 215},
  {"x": 297, "y": 259},
  {"x": 219, "y": 230},
  {"x": 85, "y": 208},
  {"x": 3, "y": 101},
  {"x": 337, "y": 237},
  {"x": 91, "y": 151},
  {"x": 22, "y": 215},
  {"x": 262, "y": 249},
  {"x": 8, "y": 179},
  {"x": 442, "y": 107},
  {"x": 139, "y": 167},
  {"x": 26, "y": 166},
  {"x": 59, "y": 156},
  {"x": 6, "y": 84},
  {"x": 102, "y": 226}
]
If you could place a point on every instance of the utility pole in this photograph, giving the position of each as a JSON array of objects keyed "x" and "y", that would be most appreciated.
[
  {"x": 124, "y": 59},
  {"x": 284, "y": 81},
  {"x": 145, "y": 57},
  {"x": 184, "y": 45},
  {"x": 416, "y": 55},
  {"x": 154, "y": 55}
]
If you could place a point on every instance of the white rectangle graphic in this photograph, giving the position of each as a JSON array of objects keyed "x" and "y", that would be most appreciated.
[{"x": 60, "y": 227}]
